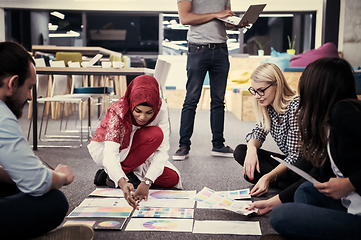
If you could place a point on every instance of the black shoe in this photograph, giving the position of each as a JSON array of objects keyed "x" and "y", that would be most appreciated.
[
  {"x": 225, "y": 151},
  {"x": 133, "y": 179},
  {"x": 110, "y": 182},
  {"x": 181, "y": 154},
  {"x": 100, "y": 177}
]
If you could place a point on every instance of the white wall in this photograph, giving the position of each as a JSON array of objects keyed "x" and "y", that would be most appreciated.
[
  {"x": 155, "y": 5},
  {"x": 39, "y": 25},
  {"x": 2, "y": 25},
  {"x": 349, "y": 42}
]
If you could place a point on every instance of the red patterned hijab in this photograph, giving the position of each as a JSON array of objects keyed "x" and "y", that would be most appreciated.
[{"x": 116, "y": 126}]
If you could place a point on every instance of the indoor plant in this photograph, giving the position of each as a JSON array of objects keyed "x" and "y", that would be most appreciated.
[
  {"x": 260, "y": 46},
  {"x": 291, "y": 45}
]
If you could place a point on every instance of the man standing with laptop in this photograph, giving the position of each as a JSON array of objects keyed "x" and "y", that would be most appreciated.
[{"x": 207, "y": 52}]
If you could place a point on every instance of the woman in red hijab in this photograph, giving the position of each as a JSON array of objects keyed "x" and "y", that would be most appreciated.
[{"x": 133, "y": 139}]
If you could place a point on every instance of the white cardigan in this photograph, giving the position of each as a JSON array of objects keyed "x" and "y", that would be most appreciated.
[{"x": 106, "y": 154}]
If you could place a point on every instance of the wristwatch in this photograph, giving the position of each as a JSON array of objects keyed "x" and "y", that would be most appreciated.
[{"x": 149, "y": 183}]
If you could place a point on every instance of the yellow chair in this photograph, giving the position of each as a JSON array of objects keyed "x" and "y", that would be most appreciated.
[{"x": 68, "y": 56}]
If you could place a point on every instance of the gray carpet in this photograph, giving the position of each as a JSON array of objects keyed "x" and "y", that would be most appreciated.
[{"x": 198, "y": 171}]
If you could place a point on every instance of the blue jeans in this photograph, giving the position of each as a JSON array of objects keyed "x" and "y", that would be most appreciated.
[
  {"x": 315, "y": 216},
  {"x": 23, "y": 216},
  {"x": 201, "y": 60}
]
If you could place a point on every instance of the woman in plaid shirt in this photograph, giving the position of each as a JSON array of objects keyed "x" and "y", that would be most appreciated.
[{"x": 275, "y": 105}]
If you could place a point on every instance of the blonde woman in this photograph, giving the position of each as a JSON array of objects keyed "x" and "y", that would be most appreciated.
[{"x": 275, "y": 105}]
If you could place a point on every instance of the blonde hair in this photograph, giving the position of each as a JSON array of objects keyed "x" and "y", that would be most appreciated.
[{"x": 270, "y": 73}]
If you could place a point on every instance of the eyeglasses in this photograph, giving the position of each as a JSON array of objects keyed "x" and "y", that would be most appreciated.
[{"x": 259, "y": 92}]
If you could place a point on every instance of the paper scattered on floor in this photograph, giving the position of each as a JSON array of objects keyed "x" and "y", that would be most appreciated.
[
  {"x": 108, "y": 192},
  {"x": 203, "y": 205},
  {"x": 171, "y": 194},
  {"x": 98, "y": 223},
  {"x": 153, "y": 193},
  {"x": 227, "y": 227},
  {"x": 104, "y": 202},
  {"x": 101, "y": 212},
  {"x": 210, "y": 197},
  {"x": 236, "y": 194},
  {"x": 164, "y": 212},
  {"x": 157, "y": 224},
  {"x": 168, "y": 203}
]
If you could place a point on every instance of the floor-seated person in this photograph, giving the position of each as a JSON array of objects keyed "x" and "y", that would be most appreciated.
[
  {"x": 31, "y": 203},
  {"x": 132, "y": 141},
  {"x": 329, "y": 116}
]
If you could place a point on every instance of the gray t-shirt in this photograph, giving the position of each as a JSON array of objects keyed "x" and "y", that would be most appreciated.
[{"x": 213, "y": 31}]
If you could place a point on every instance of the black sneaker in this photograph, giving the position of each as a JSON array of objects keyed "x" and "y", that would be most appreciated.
[
  {"x": 181, "y": 154},
  {"x": 225, "y": 151},
  {"x": 110, "y": 183},
  {"x": 100, "y": 177},
  {"x": 133, "y": 179}
]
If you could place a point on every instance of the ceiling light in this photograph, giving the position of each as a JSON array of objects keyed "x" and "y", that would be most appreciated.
[
  {"x": 70, "y": 33},
  {"x": 58, "y": 14},
  {"x": 276, "y": 15}
]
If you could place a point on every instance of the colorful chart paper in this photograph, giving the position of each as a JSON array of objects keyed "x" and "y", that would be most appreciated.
[
  {"x": 237, "y": 194},
  {"x": 171, "y": 194},
  {"x": 89, "y": 222},
  {"x": 154, "y": 224},
  {"x": 203, "y": 205},
  {"x": 227, "y": 227},
  {"x": 168, "y": 203},
  {"x": 108, "y": 192},
  {"x": 164, "y": 212},
  {"x": 104, "y": 202},
  {"x": 101, "y": 212},
  {"x": 97, "y": 223},
  {"x": 210, "y": 197},
  {"x": 160, "y": 224},
  {"x": 108, "y": 224}
]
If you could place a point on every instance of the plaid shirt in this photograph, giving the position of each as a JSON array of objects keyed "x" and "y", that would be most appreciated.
[{"x": 284, "y": 132}]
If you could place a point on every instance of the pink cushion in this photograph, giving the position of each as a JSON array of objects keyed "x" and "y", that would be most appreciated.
[{"x": 302, "y": 60}]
